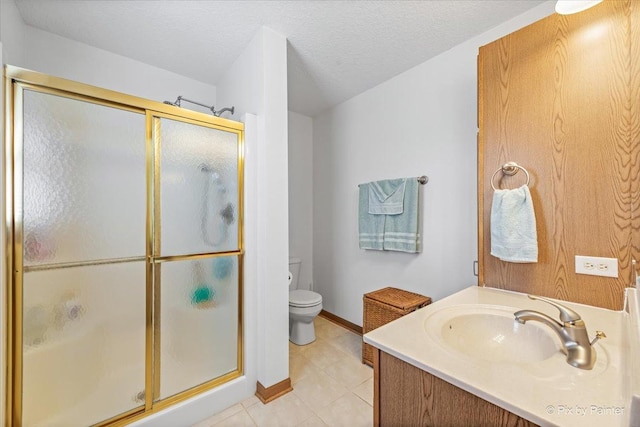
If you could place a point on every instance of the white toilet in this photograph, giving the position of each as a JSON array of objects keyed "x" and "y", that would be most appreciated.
[{"x": 304, "y": 306}]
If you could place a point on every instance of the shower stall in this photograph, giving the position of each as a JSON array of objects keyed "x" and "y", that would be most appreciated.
[{"x": 124, "y": 253}]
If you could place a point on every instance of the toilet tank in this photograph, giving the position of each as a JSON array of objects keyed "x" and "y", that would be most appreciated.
[{"x": 294, "y": 269}]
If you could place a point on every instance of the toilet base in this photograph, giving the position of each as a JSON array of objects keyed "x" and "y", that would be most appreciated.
[{"x": 302, "y": 333}]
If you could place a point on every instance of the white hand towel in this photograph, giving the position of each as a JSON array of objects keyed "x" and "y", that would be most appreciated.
[{"x": 513, "y": 226}]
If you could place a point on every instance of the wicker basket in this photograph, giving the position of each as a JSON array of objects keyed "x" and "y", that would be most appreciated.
[{"x": 384, "y": 306}]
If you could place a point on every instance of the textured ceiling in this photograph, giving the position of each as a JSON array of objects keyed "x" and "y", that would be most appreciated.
[{"x": 337, "y": 49}]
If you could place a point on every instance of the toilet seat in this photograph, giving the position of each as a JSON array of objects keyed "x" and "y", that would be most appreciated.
[{"x": 303, "y": 298}]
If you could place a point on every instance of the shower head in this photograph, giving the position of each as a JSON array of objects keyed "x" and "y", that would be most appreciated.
[
  {"x": 205, "y": 168},
  {"x": 211, "y": 172},
  {"x": 219, "y": 112}
]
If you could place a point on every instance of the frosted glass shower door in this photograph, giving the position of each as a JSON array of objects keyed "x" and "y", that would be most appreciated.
[
  {"x": 198, "y": 253},
  {"x": 198, "y": 188},
  {"x": 81, "y": 220},
  {"x": 199, "y": 322},
  {"x": 124, "y": 253}
]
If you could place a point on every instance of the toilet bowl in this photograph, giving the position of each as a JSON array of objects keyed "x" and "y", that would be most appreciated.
[{"x": 304, "y": 306}]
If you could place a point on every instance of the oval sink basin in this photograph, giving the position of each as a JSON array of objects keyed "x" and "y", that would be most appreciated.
[{"x": 490, "y": 333}]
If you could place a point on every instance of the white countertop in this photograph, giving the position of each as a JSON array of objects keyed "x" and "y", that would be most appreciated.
[{"x": 548, "y": 393}]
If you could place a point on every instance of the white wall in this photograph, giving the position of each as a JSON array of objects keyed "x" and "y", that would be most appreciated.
[
  {"x": 242, "y": 84},
  {"x": 422, "y": 122},
  {"x": 300, "y": 195},
  {"x": 38, "y": 50},
  {"x": 58, "y": 56},
  {"x": 262, "y": 69},
  {"x": 11, "y": 32}
]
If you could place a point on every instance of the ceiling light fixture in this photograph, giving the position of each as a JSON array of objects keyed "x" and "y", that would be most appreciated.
[{"x": 567, "y": 7}]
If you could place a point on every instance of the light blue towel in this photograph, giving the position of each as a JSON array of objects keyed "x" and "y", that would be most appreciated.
[
  {"x": 401, "y": 232},
  {"x": 398, "y": 232},
  {"x": 387, "y": 197},
  {"x": 370, "y": 227},
  {"x": 513, "y": 226}
]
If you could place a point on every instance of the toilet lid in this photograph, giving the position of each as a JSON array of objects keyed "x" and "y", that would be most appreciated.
[{"x": 302, "y": 298}]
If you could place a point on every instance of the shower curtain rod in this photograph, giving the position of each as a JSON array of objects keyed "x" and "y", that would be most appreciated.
[{"x": 210, "y": 107}]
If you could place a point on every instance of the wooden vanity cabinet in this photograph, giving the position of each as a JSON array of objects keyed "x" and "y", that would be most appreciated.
[{"x": 404, "y": 395}]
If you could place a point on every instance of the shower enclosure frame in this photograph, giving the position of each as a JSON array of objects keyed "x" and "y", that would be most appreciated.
[{"x": 15, "y": 81}]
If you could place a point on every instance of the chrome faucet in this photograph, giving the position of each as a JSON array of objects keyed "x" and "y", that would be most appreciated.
[{"x": 572, "y": 333}]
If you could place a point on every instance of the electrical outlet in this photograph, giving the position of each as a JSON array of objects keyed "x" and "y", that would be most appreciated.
[{"x": 596, "y": 266}]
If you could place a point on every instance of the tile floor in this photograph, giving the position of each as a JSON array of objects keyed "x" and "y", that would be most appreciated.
[{"x": 331, "y": 387}]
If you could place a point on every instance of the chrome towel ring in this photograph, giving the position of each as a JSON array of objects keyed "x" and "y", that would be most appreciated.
[{"x": 509, "y": 168}]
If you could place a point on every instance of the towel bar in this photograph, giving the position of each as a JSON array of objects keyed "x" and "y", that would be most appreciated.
[
  {"x": 509, "y": 168},
  {"x": 421, "y": 179}
]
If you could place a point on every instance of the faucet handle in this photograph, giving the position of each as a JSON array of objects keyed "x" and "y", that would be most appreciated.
[{"x": 566, "y": 314}]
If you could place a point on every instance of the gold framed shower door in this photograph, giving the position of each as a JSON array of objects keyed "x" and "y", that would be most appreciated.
[{"x": 16, "y": 81}]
